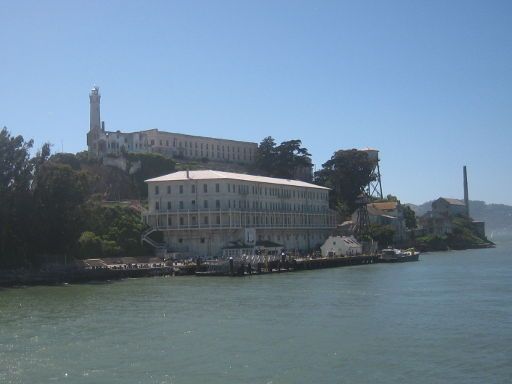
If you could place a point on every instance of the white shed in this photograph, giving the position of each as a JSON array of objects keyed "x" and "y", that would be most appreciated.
[{"x": 341, "y": 246}]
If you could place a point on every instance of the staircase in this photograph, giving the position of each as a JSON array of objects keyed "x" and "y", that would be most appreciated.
[{"x": 145, "y": 238}]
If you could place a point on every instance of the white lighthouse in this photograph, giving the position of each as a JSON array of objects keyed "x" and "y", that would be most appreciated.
[
  {"x": 94, "y": 97},
  {"x": 96, "y": 135}
]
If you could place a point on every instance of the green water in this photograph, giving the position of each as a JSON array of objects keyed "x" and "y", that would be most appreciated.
[{"x": 445, "y": 319}]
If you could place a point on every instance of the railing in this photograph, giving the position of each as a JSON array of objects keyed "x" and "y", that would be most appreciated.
[
  {"x": 231, "y": 219},
  {"x": 145, "y": 238}
]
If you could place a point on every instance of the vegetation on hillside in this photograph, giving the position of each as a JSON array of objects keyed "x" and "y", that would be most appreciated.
[
  {"x": 463, "y": 236},
  {"x": 151, "y": 165},
  {"x": 52, "y": 206}
]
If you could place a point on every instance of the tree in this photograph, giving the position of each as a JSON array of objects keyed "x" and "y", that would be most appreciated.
[
  {"x": 347, "y": 173},
  {"x": 15, "y": 178},
  {"x": 58, "y": 195},
  {"x": 291, "y": 157},
  {"x": 284, "y": 161},
  {"x": 89, "y": 245},
  {"x": 266, "y": 156},
  {"x": 410, "y": 218},
  {"x": 383, "y": 234}
]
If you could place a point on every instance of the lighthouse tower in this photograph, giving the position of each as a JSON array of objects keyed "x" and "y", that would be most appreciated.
[
  {"x": 94, "y": 97},
  {"x": 96, "y": 132}
]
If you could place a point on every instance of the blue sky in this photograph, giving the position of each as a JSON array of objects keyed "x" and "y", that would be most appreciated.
[{"x": 428, "y": 83}]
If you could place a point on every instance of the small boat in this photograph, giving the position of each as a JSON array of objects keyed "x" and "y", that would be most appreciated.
[{"x": 393, "y": 255}]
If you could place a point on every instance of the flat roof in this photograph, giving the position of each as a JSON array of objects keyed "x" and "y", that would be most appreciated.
[{"x": 219, "y": 175}]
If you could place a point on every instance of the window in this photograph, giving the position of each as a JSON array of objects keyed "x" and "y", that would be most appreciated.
[
  {"x": 205, "y": 220},
  {"x": 205, "y": 204},
  {"x": 193, "y": 188},
  {"x": 180, "y": 240},
  {"x": 218, "y": 219},
  {"x": 217, "y": 188},
  {"x": 229, "y": 187},
  {"x": 193, "y": 204},
  {"x": 217, "y": 204},
  {"x": 157, "y": 205},
  {"x": 168, "y": 189},
  {"x": 157, "y": 190},
  {"x": 202, "y": 240},
  {"x": 181, "y": 188},
  {"x": 205, "y": 188},
  {"x": 169, "y": 206},
  {"x": 181, "y": 204},
  {"x": 169, "y": 221},
  {"x": 152, "y": 142},
  {"x": 181, "y": 221}
]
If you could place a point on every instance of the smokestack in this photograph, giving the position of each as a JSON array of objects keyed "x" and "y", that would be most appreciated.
[
  {"x": 466, "y": 198},
  {"x": 188, "y": 174}
]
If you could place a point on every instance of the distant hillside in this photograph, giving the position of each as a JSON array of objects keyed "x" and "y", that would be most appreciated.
[{"x": 497, "y": 217}]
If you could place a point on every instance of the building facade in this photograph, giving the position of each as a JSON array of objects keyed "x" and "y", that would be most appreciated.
[
  {"x": 439, "y": 221},
  {"x": 205, "y": 212},
  {"x": 336, "y": 246},
  {"x": 175, "y": 145}
]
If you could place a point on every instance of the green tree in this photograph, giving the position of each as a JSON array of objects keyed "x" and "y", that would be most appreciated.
[
  {"x": 291, "y": 157},
  {"x": 410, "y": 218},
  {"x": 58, "y": 195},
  {"x": 383, "y": 234},
  {"x": 284, "y": 160},
  {"x": 347, "y": 173},
  {"x": 266, "y": 156},
  {"x": 119, "y": 225},
  {"x": 15, "y": 197},
  {"x": 89, "y": 245}
]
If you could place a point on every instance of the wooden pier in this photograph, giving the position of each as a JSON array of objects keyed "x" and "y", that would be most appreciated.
[{"x": 237, "y": 268}]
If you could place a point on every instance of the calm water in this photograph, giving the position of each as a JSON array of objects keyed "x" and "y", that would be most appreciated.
[{"x": 445, "y": 319}]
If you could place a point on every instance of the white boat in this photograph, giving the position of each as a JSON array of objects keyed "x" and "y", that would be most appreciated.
[{"x": 393, "y": 255}]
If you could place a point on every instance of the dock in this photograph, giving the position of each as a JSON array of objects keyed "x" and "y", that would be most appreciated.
[{"x": 242, "y": 268}]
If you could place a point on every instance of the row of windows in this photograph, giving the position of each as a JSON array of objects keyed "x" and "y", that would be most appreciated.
[
  {"x": 183, "y": 152},
  {"x": 256, "y": 190},
  {"x": 245, "y": 205},
  {"x": 193, "y": 189},
  {"x": 249, "y": 220},
  {"x": 186, "y": 144}
]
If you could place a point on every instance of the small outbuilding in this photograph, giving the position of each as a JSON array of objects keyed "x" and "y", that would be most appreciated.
[{"x": 341, "y": 246}]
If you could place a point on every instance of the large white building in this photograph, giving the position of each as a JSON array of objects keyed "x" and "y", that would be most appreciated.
[
  {"x": 205, "y": 212},
  {"x": 176, "y": 145}
]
